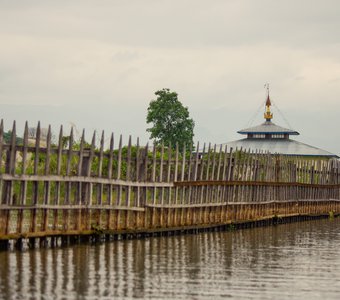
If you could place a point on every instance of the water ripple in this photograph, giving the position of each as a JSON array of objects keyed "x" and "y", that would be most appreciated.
[{"x": 292, "y": 261}]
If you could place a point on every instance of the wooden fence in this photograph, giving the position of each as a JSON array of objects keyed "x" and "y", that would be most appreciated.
[{"x": 74, "y": 187}]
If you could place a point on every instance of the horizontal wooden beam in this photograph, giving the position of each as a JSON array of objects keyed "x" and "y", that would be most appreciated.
[
  {"x": 251, "y": 183},
  {"x": 71, "y": 207},
  {"x": 119, "y": 182},
  {"x": 82, "y": 179},
  {"x": 238, "y": 203}
]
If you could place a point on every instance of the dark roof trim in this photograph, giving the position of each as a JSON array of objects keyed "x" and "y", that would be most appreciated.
[
  {"x": 272, "y": 132},
  {"x": 268, "y": 132}
]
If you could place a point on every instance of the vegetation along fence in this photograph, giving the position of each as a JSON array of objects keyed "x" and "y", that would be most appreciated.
[{"x": 70, "y": 187}]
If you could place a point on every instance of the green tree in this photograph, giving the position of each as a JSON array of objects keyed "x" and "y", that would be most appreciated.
[
  {"x": 171, "y": 121},
  {"x": 8, "y": 137}
]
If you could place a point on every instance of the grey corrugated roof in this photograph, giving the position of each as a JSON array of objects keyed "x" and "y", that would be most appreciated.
[
  {"x": 268, "y": 127},
  {"x": 286, "y": 147}
]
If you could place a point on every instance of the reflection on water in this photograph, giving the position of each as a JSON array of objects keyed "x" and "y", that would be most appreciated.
[{"x": 300, "y": 260}]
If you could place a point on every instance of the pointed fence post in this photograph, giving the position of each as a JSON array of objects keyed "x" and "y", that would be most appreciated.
[
  {"x": 36, "y": 183},
  {"x": 68, "y": 184},
  {"x": 47, "y": 183}
]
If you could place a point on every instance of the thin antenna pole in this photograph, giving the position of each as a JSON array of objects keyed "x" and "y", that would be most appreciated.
[{"x": 267, "y": 87}]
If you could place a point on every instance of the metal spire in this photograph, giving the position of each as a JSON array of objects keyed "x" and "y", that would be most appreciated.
[{"x": 268, "y": 115}]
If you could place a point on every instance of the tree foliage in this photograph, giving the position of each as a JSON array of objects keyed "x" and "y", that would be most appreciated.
[
  {"x": 171, "y": 121},
  {"x": 8, "y": 137}
]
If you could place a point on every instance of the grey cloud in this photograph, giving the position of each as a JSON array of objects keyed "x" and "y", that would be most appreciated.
[
  {"x": 98, "y": 63},
  {"x": 181, "y": 23}
]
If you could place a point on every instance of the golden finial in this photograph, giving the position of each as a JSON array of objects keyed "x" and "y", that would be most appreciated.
[{"x": 268, "y": 115}]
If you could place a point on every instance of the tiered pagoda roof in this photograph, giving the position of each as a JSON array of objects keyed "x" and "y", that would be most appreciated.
[{"x": 269, "y": 137}]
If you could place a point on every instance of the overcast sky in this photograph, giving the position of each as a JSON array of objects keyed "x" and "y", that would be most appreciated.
[{"x": 97, "y": 64}]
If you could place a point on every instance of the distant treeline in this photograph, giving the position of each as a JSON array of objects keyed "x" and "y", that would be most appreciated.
[{"x": 8, "y": 135}]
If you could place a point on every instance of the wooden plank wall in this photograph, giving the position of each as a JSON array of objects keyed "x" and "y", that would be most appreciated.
[{"x": 68, "y": 185}]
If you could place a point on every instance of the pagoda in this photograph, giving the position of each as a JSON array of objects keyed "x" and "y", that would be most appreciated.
[{"x": 269, "y": 137}]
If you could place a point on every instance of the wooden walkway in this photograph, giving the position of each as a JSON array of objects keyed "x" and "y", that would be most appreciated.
[{"x": 68, "y": 187}]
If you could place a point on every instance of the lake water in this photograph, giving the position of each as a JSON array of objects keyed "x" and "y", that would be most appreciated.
[{"x": 292, "y": 261}]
